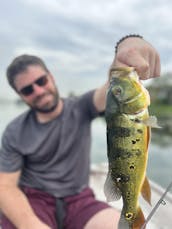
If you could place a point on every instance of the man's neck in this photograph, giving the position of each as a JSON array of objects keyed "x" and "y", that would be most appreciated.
[{"x": 47, "y": 117}]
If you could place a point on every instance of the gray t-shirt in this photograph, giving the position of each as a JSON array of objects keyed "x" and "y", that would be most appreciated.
[{"x": 54, "y": 157}]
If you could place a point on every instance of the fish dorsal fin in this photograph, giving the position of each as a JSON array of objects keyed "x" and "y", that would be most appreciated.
[
  {"x": 151, "y": 122},
  {"x": 111, "y": 190},
  {"x": 146, "y": 190},
  {"x": 139, "y": 220}
]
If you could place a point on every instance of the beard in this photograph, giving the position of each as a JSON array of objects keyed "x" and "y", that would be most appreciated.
[{"x": 49, "y": 107}]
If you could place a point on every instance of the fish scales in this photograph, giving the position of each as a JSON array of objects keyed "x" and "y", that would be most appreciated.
[{"x": 128, "y": 135}]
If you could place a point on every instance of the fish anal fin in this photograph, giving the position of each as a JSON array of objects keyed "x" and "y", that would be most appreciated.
[
  {"x": 146, "y": 190},
  {"x": 111, "y": 191},
  {"x": 139, "y": 220}
]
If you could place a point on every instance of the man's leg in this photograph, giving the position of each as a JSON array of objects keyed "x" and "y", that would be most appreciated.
[
  {"x": 84, "y": 211},
  {"x": 6, "y": 224},
  {"x": 105, "y": 219}
]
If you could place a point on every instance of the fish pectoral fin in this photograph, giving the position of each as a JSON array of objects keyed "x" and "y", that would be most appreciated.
[
  {"x": 139, "y": 220},
  {"x": 146, "y": 190},
  {"x": 151, "y": 122},
  {"x": 111, "y": 191}
]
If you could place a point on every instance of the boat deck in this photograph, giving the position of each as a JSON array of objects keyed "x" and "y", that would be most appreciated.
[{"x": 162, "y": 219}]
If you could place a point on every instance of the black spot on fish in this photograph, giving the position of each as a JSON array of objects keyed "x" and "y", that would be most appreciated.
[
  {"x": 133, "y": 141},
  {"x": 120, "y": 153},
  {"x": 128, "y": 155},
  {"x": 120, "y": 132},
  {"x": 132, "y": 167},
  {"x": 120, "y": 178},
  {"x": 140, "y": 131},
  {"x": 131, "y": 119},
  {"x": 128, "y": 196},
  {"x": 137, "y": 152},
  {"x": 137, "y": 120}
]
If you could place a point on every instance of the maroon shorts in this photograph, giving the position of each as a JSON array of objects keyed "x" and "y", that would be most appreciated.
[{"x": 78, "y": 208}]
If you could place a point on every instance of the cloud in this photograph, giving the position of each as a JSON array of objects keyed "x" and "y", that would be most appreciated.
[{"x": 77, "y": 38}]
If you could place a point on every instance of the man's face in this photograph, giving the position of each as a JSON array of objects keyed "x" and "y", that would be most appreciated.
[{"x": 37, "y": 88}]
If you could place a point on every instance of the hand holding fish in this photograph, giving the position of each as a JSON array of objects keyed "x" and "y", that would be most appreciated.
[
  {"x": 138, "y": 53},
  {"x": 131, "y": 51}
]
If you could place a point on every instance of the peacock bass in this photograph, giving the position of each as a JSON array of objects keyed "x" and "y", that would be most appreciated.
[{"x": 128, "y": 136}]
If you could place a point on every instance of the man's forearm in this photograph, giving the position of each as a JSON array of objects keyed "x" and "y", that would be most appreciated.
[
  {"x": 99, "y": 98},
  {"x": 14, "y": 204}
]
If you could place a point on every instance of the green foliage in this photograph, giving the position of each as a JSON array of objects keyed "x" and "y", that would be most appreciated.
[{"x": 160, "y": 109}]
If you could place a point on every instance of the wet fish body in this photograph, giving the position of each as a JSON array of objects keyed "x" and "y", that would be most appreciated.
[{"x": 128, "y": 136}]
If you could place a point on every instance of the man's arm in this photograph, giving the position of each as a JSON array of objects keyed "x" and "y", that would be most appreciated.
[
  {"x": 14, "y": 203},
  {"x": 134, "y": 52}
]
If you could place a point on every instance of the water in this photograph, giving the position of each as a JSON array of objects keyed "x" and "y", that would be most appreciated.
[{"x": 160, "y": 151}]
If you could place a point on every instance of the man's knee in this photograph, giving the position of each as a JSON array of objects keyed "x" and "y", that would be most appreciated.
[{"x": 104, "y": 219}]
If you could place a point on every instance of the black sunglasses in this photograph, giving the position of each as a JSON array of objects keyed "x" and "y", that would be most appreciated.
[{"x": 28, "y": 90}]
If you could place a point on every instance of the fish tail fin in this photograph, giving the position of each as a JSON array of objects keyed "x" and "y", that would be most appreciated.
[
  {"x": 123, "y": 223},
  {"x": 139, "y": 220}
]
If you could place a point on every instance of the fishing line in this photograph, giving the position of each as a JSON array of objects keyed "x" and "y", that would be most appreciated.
[{"x": 161, "y": 201}]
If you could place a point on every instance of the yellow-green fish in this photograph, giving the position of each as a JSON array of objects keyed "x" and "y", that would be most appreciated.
[{"x": 128, "y": 136}]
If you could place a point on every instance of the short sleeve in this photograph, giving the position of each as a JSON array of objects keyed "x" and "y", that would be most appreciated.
[
  {"x": 10, "y": 159},
  {"x": 87, "y": 105}
]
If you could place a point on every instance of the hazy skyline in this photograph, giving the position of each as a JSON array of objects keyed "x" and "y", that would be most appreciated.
[{"x": 77, "y": 38}]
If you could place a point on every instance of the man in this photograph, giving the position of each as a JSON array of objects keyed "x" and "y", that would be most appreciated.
[{"x": 44, "y": 159}]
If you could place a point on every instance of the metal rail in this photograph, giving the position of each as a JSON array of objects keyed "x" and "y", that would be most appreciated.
[{"x": 161, "y": 201}]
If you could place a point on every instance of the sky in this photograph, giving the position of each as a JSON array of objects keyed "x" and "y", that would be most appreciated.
[{"x": 76, "y": 38}]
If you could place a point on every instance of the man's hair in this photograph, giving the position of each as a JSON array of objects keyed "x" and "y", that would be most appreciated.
[{"x": 20, "y": 64}]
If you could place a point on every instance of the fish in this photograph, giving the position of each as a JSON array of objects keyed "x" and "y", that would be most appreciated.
[{"x": 128, "y": 136}]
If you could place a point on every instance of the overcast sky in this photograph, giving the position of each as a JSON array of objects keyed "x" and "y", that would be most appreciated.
[{"x": 76, "y": 38}]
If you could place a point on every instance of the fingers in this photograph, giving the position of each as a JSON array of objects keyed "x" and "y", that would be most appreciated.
[
  {"x": 146, "y": 67},
  {"x": 134, "y": 60},
  {"x": 139, "y": 54},
  {"x": 154, "y": 65},
  {"x": 157, "y": 69}
]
